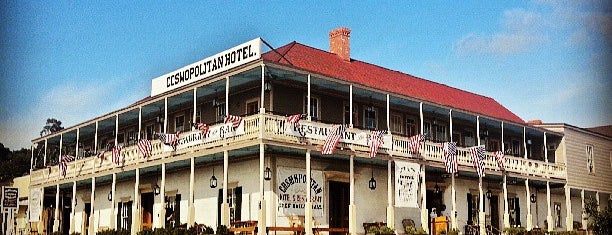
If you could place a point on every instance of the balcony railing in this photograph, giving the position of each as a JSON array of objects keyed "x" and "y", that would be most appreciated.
[{"x": 275, "y": 128}]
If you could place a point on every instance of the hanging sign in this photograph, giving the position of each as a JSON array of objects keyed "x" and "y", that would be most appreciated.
[
  {"x": 35, "y": 204},
  {"x": 10, "y": 197},
  {"x": 406, "y": 184},
  {"x": 292, "y": 188},
  {"x": 320, "y": 131},
  {"x": 220, "y": 62},
  {"x": 215, "y": 133}
]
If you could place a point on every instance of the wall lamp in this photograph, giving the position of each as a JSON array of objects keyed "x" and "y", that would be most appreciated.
[
  {"x": 213, "y": 180},
  {"x": 372, "y": 182},
  {"x": 267, "y": 174}
]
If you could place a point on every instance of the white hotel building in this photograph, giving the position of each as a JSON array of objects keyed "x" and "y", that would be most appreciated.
[{"x": 264, "y": 166}]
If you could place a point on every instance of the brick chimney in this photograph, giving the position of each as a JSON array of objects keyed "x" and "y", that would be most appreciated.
[{"x": 340, "y": 43}]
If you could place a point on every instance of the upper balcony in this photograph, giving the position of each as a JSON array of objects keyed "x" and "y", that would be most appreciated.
[{"x": 272, "y": 129}]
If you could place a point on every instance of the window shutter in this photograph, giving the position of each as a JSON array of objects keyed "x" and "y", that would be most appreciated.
[
  {"x": 177, "y": 210},
  {"x": 219, "y": 201},
  {"x": 238, "y": 211},
  {"x": 119, "y": 207},
  {"x": 129, "y": 215}
]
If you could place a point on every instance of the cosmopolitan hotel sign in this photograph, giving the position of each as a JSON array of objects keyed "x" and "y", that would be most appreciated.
[{"x": 220, "y": 62}]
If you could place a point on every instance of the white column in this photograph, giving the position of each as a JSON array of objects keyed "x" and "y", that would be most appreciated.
[
  {"x": 453, "y": 216},
  {"x": 195, "y": 107},
  {"x": 166, "y": 114},
  {"x": 136, "y": 206},
  {"x": 597, "y": 200},
  {"x": 545, "y": 149},
  {"x": 113, "y": 215},
  {"x": 352, "y": 212},
  {"x": 263, "y": 83},
  {"x": 584, "y": 221},
  {"x": 308, "y": 114},
  {"x": 32, "y": 157},
  {"x": 388, "y": 118},
  {"x": 45, "y": 157},
  {"x": 162, "y": 197},
  {"x": 191, "y": 212},
  {"x": 390, "y": 207},
  {"x": 56, "y": 221},
  {"x": 525, "y": 142},
  {"x": 569, "y": 217},
  {"x": 95, "y": 139},
  {"x": 308, "y": 205},
  {"x": 59, "y": 158},
  {"x": 421, "y": 116},
  {"x": 116, "y": 128},
  {"x": 92, "y": 229},
  {"x": 73, "y": 210},
  {"x": 424, "y": 216},
  {"x": 227, "y": 111},
  {"x": 261, "y": 224},
  {"x": 506, "y": 208},
  {"x": 351, "y": 106},
  {"x": 529, "y": 216},
  {"x": 139, "y": 122},
  {"x": 225, "y": 217},
  {"x": 481, "y": 213},
  {"x": 76, "y": 148},
  {"x": 549, "y": 218}
]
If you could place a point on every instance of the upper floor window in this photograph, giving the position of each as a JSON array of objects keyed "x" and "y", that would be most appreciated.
[
  {"x": 370, "y": 117},
  {"x": 221, "y": 112},
  {"x": 179, "y": 123},
  {"x": 396, "y": 124},
  {"x": 427, "y": 130},
  {"x": 590, "y": 160},
  {"x": 347, "y": 117},
  {"x": 410, "y": 127},
  {"x": 314, "y": 107},
  {"x": 252, "y": 106},
  {"x": 198, "y": 117},
  {"x": 440, "y": 132},
  {"x": 132, "y": 137},
  {"x": 149, "y": 129},
  {"x": 120, "y": 138}
]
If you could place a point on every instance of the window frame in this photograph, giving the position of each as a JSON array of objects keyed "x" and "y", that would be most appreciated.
[
  {"x": 396, "y": 121},
  {"x": 411, "y": 127},
  {"x": 249, "y": 102},
  {"x": 176, "y": 124},
  {"x": 366, "y": 110},
  {"x": 220, "y": 111},
  {"x": 590, "y": 158},
  {"x": 316, "y": 115}
]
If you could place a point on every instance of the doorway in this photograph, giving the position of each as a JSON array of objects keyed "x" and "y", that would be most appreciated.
[
  {"x": 338, "y": 204},
  {"x": 493, "y": 202},
  {"x": 87, "y": 213},
  {"x": 147, "y": 210}
]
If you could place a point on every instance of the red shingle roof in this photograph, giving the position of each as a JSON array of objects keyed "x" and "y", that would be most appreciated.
[{"x": 318, "y": 61}]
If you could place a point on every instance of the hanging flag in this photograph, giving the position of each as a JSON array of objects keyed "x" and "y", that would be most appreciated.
[
  {"x": 332, "y": 140},
  {"x": 117, "y": 155},
  {"x": 145, "y": 148},
  {"x": 63, "y": 164},
  {"x": 414, "y": 143},
  {"x": 294, "y": 119},
  {"x": 235, "y": 120},
  {"x": 376, "y": 140},
  {"x": 499, "y": 156},
  {"x": 202, "y": 127},
  {"x": 169, "y": 139},
  {"x": 479, "y": 159},
  {"x": 450, "y": 157},
  {"x": 101, "y": 155}
]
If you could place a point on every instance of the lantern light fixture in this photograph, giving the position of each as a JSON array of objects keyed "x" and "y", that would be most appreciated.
[
  {"x": 156, "y": 189},
  {"x": 267, "y": 174},
  {"x": 533, "y": 198},
  {"x": 110, "y": 195},
  {"x": 372, "y": 182},
  {"x": 213, "y": 180}
]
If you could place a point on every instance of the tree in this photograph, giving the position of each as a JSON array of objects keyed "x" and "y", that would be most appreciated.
[
  {"x": 53, "y": 125},
  {"x": 600, "y": 221},
  {"x": 13, "y": 164}
]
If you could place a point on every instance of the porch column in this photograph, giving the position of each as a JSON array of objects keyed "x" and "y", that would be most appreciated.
[
  {"x": 139, "y": 122},
  {"x": 92, "y": 201},
  {"x": 262, "y": 109},
  {"x": 195, "y": 108},
  {"x": 352, "y": 212},
  {"x": 113, "y": 216},
  {"x": 584, "y": 221},
  {"x": 116, "y": 128},
  {"x": 59, "y": 157},
  {"x": 45, "y": 157},
  {"x": 308, "y": 204},
  {"x": 76, "y": 147},
  {"x": 136, "y": 204},
  {"x": 529, "y": 216},
  {"x": 424, "y": 220},
  {"x": 390, "y": 208},
  {"x": 481, "y": 213},
  {"x": 388, "y": 118},
  {"x": 453, "y": 216},
  {"x": 549, "y": 218},
  {"x": 351, "y": 106},
  {"x": 506, "y": 208},
  {"x": 421, "y": 117},
  {"x": 261, "y": 224},
  {"x": 569, "y": 217},
  {"x": 308, "y": 114},
  {"x": 191, "y": 211},
  {"x": 597, "y": 200},
  {"x": 56, "y": 221},
  {"x": 162, "y": 197},
  {"x": 225, "y": 216},
  {"x": 227, "y": 111},
  {"x": 166, "y": 114},
  {"x": 73, "y": 211}
]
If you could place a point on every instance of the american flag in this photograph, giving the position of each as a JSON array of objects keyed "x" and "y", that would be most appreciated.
[
  {"x": 145, "y": 148},
  {"x": 479, "y": 159},
  {"x": 333, "y": 138},
  {"x": 499, "y": 156},
  {"x": 450, "y": 157},
  {"x": 294, "y": 119},
  {"x": 414, "y": 143},
  {"x": 63, "y": 164},
  {"x": 101, "y": 155},
  {"x": 117, "y": 155},
  {"x": 202, "y": 127},
  {"x": 376, "y": 140},
  {"x": 235, "y": 120},
  {"x": 169, "y": 139}
]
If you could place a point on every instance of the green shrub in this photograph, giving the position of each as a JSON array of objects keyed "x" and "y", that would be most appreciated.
[
  {"x": 223, "y": 230},
  {"x": 114, "y": 232},
  {"x": 515, "y": 231}
]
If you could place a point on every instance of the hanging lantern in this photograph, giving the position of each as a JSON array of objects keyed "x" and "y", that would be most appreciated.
[
  {"x": 110, "y": 196},
  {"x": 533, "y": 198},
  {"x": 488, "y": 194},
  {"x": 156, "y": 189},
  {"x": 437, "y": 188},
  {"x": 372, "y": 182},
  {"x": 267, "y": 174},
  {"x": 213, "y": 180}
]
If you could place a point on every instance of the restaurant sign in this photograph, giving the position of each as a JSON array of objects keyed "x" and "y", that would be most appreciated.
[
  {"x": 215, "y": 133},
  {"x": 10, "y": 197},
  {"x": 320, "y": 131},
  {"x": 292, "y": 188}
]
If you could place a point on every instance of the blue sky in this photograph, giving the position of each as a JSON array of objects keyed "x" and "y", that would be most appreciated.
[{"x": 75, "y": 61}]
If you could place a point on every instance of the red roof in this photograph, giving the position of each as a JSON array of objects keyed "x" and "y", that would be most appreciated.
[{"x": 322, "y": 62}]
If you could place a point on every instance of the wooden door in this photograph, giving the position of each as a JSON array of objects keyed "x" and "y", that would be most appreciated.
[{"x": 147, "y": 211}]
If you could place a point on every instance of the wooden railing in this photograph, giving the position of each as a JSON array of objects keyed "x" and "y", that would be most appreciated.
[{"x": 275, "y": 129}]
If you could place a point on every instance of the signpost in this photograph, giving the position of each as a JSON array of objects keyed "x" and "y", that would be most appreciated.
[{"x": 10, "y": 198}]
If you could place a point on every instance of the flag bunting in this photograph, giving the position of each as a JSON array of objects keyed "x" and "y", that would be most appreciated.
[
  {"x": 235, "y": 120},
  {"x": 332, "y": 140},
  {"x": 63, "y": 164},
  {"x": 450, "y": 157},
  {"x": 414, "y": 143},
  {"x": 376, "y": 140},
  {"x": 478, "y": 155},
  {"x": 145, "y": 148}
]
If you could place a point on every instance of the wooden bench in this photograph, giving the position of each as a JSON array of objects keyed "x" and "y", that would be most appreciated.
[
  {"x": 330, "y": 230},
  {"x": 240, "y": 227}
]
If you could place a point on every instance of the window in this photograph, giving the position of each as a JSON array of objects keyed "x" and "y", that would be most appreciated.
[
  {"x": 124, "y": 215},
  {"x": 120, "y": 138},
  {"x": 347, "y": 118},
  {"x": 198, "y": 117},
  {"x": 234, "y": 201},
  {"x": 472, "y": 201},
  {"x": 590, "y": 160},
  {"x": 252, "y": 106},
  {"x": 132, "y": 137},
  {"x": 370, "y": 117},
  {"x": 411, "y": 127},
  {"x": 396, "y": 124},
  {"x": 149, "y": 130},
  {"x": 221, "y": 111},
  {"x": 440, "y": 132},
  {"x": 557, "y": 208},
  {"x": 516, "y": 148},
  {"x": 515, "y": 211},
  {"x": 468, "y": 138},
  {"x": 314, "y": 107},
  {"x": 493, "y": 145},
  {"x": 427, "y": 130},
  {"x": 173, "y": 211},
  {"x": 179, "y": 123}
]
